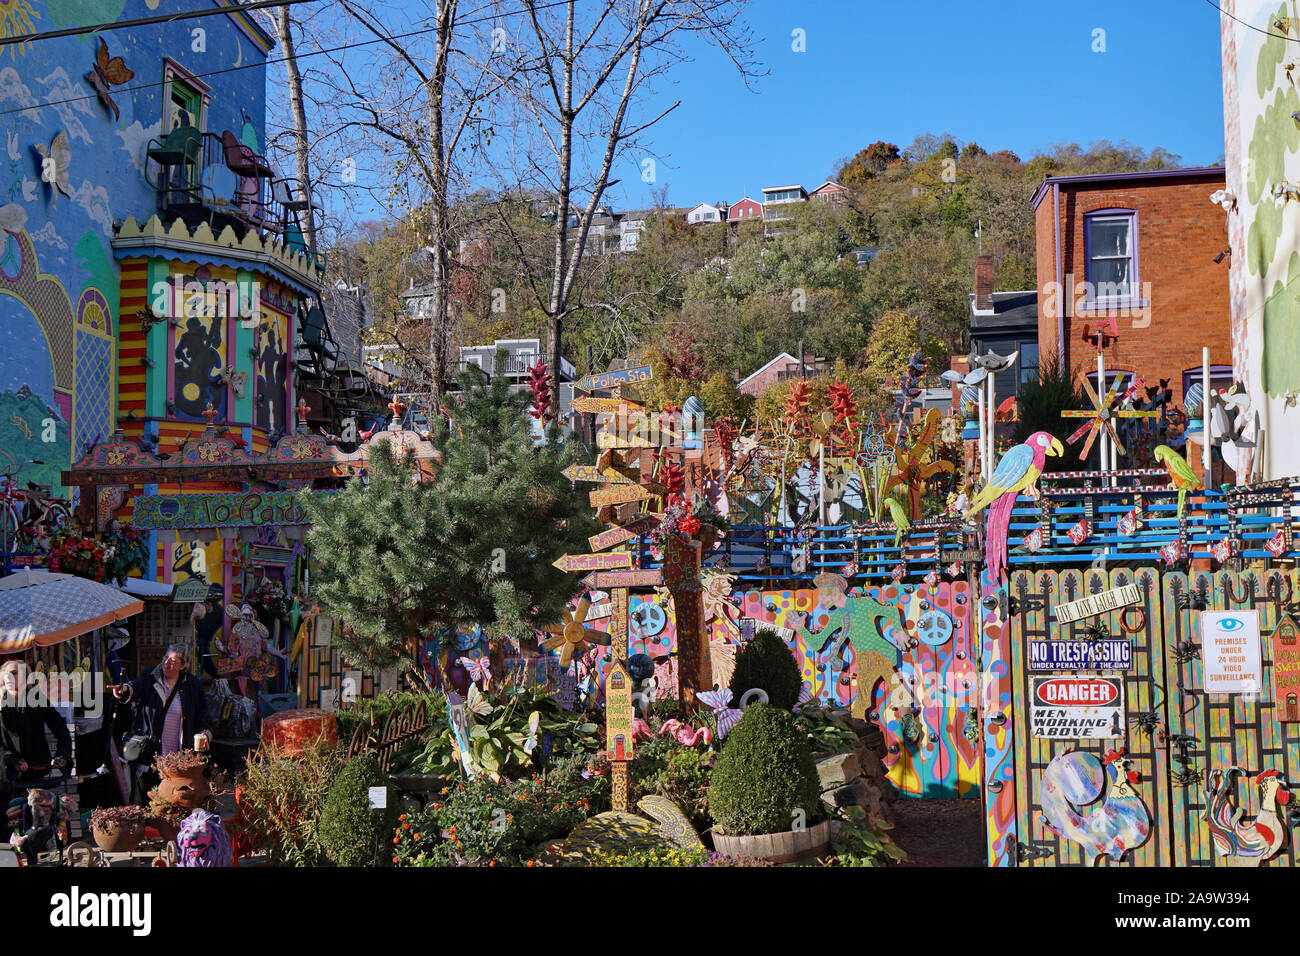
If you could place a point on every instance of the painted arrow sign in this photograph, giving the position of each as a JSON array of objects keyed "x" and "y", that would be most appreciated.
[
  {"x": 607, "y": 539},
  {"x": 623, "y": 376},
  {"x": 617, "y": 495},
  {"x": 594, "y": 474},
  {"x": 594, "y": 562},
  {"x": 624, "y": 579},
  {"x": 594, "y": 406}
]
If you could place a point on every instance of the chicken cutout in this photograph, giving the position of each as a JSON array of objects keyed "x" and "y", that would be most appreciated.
[
  {"x": 54, "y": 165},
  {"x": 1095, "y": 803},
  {"x": 107, "y": 73},
  {"x": 571, "y": 635},
  {"x": 1246, "y": 843}
]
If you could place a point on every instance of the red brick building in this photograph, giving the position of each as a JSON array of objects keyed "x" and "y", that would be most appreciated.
[{"x": 1133, "y": 256}]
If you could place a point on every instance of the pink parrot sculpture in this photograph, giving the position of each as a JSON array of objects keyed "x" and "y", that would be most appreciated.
[{"x": 1017, "y": 471}]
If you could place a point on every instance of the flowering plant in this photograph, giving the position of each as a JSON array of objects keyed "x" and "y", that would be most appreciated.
[
  {"x": 686, "y": 519},
  {"x": 124, "y": 551},
  {"x": 114, "y": 818},
  {"x": 270, "y": 596},
  {"x": 74, "y": 553}
]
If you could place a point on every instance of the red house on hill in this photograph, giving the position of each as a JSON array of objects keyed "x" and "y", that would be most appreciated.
[{"x": 745, "y": 209}]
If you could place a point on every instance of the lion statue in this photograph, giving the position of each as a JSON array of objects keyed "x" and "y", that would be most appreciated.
[{"x": 203, "y": 841}]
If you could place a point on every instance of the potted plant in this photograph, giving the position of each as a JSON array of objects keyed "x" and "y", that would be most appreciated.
[
  {"x": 184, "y": 782},
  {"x": 118, "y": 829},
  {"x": 764, "y": 792},
  {"x": 124, "y": 550},
  {"x": 74, "y": 553}
]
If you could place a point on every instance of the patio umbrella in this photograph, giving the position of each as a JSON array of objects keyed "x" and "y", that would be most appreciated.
[{"x": 41, "y": 608}]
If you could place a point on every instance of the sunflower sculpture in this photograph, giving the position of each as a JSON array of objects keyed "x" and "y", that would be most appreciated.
[{"x": 572, "y": 634}]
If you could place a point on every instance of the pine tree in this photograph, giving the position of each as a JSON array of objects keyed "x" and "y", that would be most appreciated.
[{"x": 401, "y": 560}]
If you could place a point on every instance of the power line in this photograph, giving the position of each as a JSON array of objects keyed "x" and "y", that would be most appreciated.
[
  {"x": 1268, "y": 33},
  {"x": 145, "y": 21},
  {"x": 272, "y": 60}
]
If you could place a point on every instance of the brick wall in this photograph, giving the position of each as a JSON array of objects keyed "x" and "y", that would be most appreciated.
[{"x": 1179, "y": 232}]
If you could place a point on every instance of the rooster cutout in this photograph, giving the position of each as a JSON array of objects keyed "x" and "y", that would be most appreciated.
[
  {"x": 1247, "y": 843},
  {"x": 1074, "y": 782},
  {"x": 107, "y": 73}
]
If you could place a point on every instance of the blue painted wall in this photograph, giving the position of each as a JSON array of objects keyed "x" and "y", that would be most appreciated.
[{"x": 58, "y": 278}]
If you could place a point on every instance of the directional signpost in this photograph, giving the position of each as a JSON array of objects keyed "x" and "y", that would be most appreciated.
[
  {"x": 617, "y": 495},
  {"x": 596, "y": 406},
  {"x": 593, "y": 474},
  {"x": 613, "y": 536},
  {"x": 594, "y": 562},
  {"x": 623, "y": 376},
  {"x": 641, "y": 578}
]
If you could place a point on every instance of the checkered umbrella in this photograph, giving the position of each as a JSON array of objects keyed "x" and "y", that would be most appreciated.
[{"x": 42, "y": 608}]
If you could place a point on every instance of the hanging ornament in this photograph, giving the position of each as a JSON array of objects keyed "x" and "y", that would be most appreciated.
[
  {"x": 954, "y": 569},
  {"x": 932, "y": 579},
  {"x": 1276, "y": 545},
  {"x": 1222, "y": 551},
  {"x": 898, "y": 572},
  {"x": 1034, "y": 540},
  {"x": 1128, "y": 525},
  {"x": 1172, "y": 552},
  {"x": 849, "y": 569},
  {"x": 1080, "y": 531}
]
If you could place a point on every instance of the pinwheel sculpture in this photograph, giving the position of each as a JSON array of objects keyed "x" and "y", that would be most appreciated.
[
  {"x": 572, "y": 635},
  {"x": 1101, "y": 416}
]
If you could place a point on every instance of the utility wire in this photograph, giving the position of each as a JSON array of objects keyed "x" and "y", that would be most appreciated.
[
  {"x": 272, "y": 60},
  {"x": 144, "y": 21},
  {"x": 1278, "y": 36}
]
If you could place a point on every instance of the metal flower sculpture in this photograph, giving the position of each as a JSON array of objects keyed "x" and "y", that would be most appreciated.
[
  {"x": 572, "y": 635},
  {"x": 913, "y": 470}
]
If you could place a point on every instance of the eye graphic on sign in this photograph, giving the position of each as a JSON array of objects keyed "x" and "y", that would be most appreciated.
[{"x": 1231, "y": 624}]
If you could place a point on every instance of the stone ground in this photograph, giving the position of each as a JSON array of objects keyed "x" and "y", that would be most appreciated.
[{"x": 939, "y": 832}]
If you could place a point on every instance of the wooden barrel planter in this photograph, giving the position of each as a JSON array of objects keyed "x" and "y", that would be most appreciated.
[
  {"x": 293, "y": 729},
  {"x": 792, "y": 846}
]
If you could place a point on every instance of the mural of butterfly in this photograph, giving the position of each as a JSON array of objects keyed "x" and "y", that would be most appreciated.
[
  {"x": 479, "y": 669},
  {"x": 54, "y": 165},
  {"x": 107, "y": 73}
]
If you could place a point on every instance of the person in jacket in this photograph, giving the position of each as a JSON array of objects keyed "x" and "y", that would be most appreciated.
[
  {"x": 24, "y": 717},
  {"x": 176, "y": 729}
]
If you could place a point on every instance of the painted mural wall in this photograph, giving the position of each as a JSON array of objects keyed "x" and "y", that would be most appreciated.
[
  {"x": 1262, "y": 156},
  {"x": 73, "y": 165}
]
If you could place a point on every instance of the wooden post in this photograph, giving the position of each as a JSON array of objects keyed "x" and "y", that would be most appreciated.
[{"x": 682, "y": 576}]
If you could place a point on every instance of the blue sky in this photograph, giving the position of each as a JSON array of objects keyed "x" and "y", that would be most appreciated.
[{"x": 1015, "y": 74}]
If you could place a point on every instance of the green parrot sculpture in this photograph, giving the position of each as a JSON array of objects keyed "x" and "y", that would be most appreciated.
[
  {"x": 1181, "y": 475},
  {"x": 901, "y": 521}
]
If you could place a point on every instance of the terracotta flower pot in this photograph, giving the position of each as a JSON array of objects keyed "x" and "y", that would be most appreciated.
[
  {"x": 189, "y": 789},
  {"x": 792, "y": 846},
  {"x": 119, "y": 839}
]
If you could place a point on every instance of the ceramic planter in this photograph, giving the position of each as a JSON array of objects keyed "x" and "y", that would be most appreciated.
[
  {"x": 189, "y": 789},
  {"x": 792, "y": 846},
  {"x": 119, "y": 839}
]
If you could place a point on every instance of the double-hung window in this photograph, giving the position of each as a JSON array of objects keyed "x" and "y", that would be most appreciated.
[{"x": 1110, "y": 246}]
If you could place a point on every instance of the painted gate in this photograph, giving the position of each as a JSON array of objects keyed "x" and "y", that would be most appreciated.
[{"x": 1174, "y": 736}]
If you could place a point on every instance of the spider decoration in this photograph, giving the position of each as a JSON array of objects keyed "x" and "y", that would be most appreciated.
[
  {"x": 1196, "y": 600},
  {"x": 1185, "y": 652},
  {"x": 1147, "y": 721},
  {"x": 1191, "y": 776},
  {"x": 1096, "y": 631}
]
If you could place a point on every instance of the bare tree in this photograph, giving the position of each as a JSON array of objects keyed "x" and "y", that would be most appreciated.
[{"x": 583, "y": 84}]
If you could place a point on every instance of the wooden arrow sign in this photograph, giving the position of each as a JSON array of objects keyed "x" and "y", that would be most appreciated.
[
  {"x": 630, "y": 439},
  {"x": 640, "y": 373},
  {"x": 624, "y": 579},
  {"x": 594, "y": 562},
  {"x": 593, "y": 474},
  {"x": 617, "y": 495},
  {"x": 595, "y": 406},
  {"x": 613, "y": 536}
]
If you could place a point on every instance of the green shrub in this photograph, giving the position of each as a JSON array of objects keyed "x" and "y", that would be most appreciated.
[
  {"x": 350, "y": 831},
  {"x": 764, "y": 774},
  {"x": 767, "y": 663}
]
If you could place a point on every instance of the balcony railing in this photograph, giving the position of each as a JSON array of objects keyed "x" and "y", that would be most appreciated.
[{"x": 205, "y": 177}]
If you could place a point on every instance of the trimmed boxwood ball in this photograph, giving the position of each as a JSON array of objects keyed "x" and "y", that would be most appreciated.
[
  {"x": 767, "y": 663},
  {"x": 350, "y": 831},
  {"x": 765, "y": 772}
]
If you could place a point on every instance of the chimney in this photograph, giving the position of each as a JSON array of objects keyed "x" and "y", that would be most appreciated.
[{"x": 983, "y": 282}]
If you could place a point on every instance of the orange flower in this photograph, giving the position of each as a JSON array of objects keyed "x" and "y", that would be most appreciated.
[
  {"x": 417, "y": 836},
  {"x": 492, "y": 863},
  {"x": 443, "y": 790},
  {"x": 395, "y": 860},
  {"x": 406, "y": 826},
  {"x": 397, "y": 839},
  {"x": 529, "y": 863}
]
